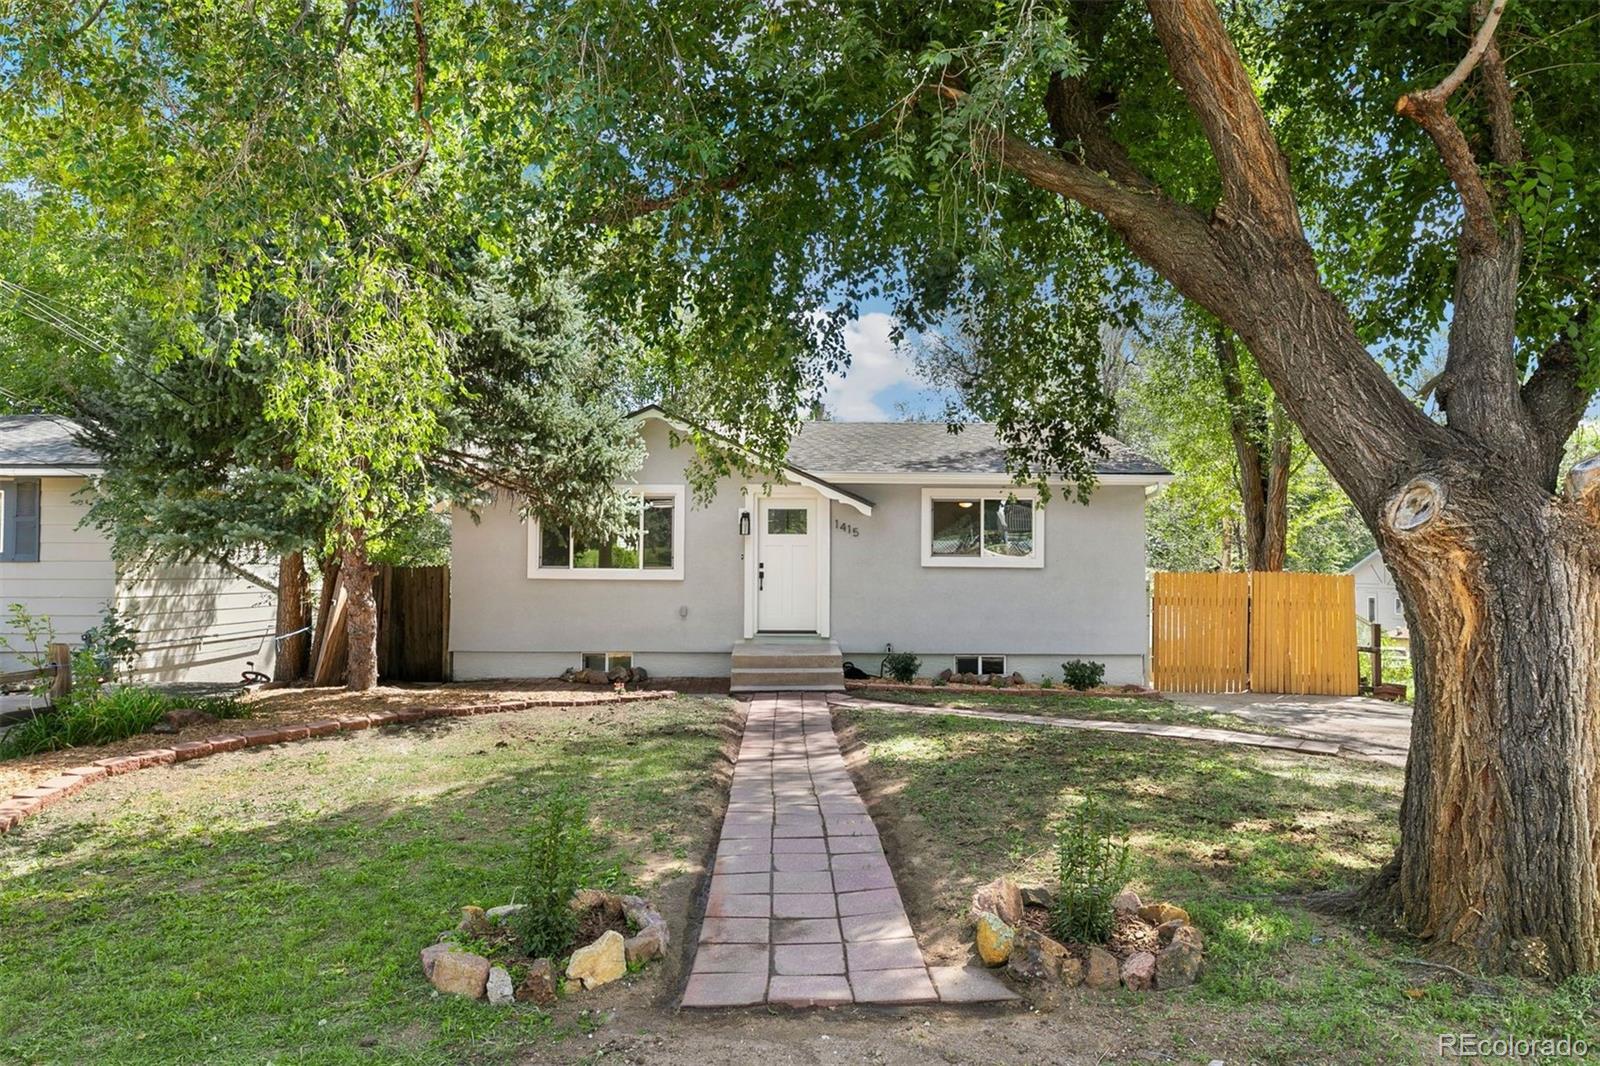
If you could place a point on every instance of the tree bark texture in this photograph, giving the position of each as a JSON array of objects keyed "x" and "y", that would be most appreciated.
[
  {"x": 1261, "y": 442},
  {"x": 1500, "y": 824},
  {"x": 294, "y": 612},
  {"x": 361, "y": 613}
]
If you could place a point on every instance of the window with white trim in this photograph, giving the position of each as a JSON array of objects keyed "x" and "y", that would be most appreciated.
[
  {"x": 981, "y": 529},
  {"x": 980, "y": 664},
  {"x": 652, "y": 549}
]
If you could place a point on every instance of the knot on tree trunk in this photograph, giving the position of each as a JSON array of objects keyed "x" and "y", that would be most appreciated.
[{"x": 1417, "y": 505}]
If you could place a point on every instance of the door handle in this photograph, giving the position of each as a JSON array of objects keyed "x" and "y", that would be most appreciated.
[{"x": 761, "y": 576}]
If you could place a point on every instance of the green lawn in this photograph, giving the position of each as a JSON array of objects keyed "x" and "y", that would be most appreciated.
[
  {"x": 1106, "y": 708},
  {"x": 1220, "y": 831},
  {"x": 269, "y": 905}
]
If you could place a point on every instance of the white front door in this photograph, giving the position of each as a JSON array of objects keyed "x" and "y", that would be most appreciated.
[{"x": 786, "y": 565}]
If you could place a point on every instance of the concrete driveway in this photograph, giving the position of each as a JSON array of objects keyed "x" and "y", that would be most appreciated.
[{"x": 1374, "y": 728}]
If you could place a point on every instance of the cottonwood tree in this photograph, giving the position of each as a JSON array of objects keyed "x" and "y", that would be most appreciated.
[{"x": 1333, "y": 183}]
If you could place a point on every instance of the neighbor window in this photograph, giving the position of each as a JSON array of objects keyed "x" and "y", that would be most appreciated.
[
  {"x": 19, "y": 521},
  {"x": 980, "y": 664},
  {"x": 980, "y": 530},
  {"x": 651, "y": 548}
]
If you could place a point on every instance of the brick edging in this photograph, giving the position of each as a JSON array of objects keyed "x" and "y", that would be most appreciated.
[{"x": 30, "y": 801}]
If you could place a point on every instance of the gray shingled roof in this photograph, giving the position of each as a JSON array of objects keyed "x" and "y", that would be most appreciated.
[
  {"x": 41, "y": 440},
  {"x": 927, "y": 447}
]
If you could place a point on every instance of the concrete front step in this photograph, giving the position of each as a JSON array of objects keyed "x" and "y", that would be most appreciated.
[
  {"x": 750, "y": 660},
  {"x": 811, "y": 679}
]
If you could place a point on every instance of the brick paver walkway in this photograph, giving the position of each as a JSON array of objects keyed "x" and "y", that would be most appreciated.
[{"x": 803, "y": 908}]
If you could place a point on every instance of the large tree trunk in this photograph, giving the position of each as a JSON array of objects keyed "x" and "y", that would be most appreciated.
[
  {"x": 1501, "y": 816},
  {"x": 361, "y": 612},
  {"x": 294, "y": 613}
]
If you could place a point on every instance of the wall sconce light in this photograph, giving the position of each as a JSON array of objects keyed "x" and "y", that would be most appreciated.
[{"x": 744, "y": 523}]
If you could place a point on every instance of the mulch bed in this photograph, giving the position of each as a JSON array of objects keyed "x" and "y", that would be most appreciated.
[{"x": 1111, "y": 691}]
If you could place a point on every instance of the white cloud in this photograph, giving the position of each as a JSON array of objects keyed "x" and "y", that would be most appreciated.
[{"x": 876, "y": 367}]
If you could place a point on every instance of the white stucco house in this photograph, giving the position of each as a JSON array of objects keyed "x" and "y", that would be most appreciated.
[
  {"x": 197, "y": 622},
  {"x": 1377, "y": 598},
  {"x": 877, "y": 535}
]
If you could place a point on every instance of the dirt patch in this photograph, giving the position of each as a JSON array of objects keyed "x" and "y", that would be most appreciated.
[{"x": 280, "y": 706}]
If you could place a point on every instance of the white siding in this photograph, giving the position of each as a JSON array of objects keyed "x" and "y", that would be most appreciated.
[
  {"x": 196, "y": 623},
  {"x": 1377, "y": 598},
  {"x": 74, "y": 577},
  {"x": 1087, "y": 601}
]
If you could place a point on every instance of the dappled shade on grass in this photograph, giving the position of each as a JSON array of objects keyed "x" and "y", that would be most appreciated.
[{"x": 272, "y": 903}]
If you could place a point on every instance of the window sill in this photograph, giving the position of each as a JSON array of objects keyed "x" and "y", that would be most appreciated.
[
  {"x": 552, "y": 574},
  {"x": 988, "y": 562}
]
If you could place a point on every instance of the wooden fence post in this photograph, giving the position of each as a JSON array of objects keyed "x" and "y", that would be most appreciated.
[
  {"x": 61, "y": 659},
  {"x": 1377, "y": 656}
]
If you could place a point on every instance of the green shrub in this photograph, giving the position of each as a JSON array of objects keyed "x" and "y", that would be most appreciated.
[
  {"x": 113, "y": 645},
  {"x": 1082, "y": 675},
  {"x": 1092, "y": 864},
  {"x": 1045, "y": 682},
  {"x": 96, "y": 715},
  {"x": 560, "y": 860},
  {"x": 902, "y": 666}
]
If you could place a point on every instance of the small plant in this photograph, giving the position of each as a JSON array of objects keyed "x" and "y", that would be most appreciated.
[
  {"x": 1082, "y": 675},
  {"x": 902, "y": 666},
  {"x": 34, "y": 634},
  {"x": 1092, "y": 864},
  {"x": 1045, "y": 682},
  {"x": 113, "y": 645},
  {"x": 95, "y": 715},
  {"x": 560, "y": 861}
]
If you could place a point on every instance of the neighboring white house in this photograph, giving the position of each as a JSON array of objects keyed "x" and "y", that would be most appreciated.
[
  {"x": 1377, "y": 598},
  {"x": 197, "y": 622},
  {"x": 899, "y": 534}
]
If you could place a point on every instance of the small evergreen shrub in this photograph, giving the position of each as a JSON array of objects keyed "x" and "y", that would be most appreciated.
[
  {"x": 112, "y": 646},
  {"x": 560, "y": 861},
  {"x": 1082, "y": 675},
  {"x": 1092, "y": 865},
  {"x": 902, "y": 666}
]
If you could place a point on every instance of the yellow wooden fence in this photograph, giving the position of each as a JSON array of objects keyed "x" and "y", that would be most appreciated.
[{"x": 1261, "y": 632}]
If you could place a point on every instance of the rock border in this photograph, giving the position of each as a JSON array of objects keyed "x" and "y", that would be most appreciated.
[{"x": 26, "y": 803}]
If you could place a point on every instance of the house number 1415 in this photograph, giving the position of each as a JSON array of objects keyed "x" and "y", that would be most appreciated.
[{"x": 845, "y": 527}]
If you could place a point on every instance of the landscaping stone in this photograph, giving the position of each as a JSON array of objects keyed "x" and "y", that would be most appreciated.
[
  {"x": 1035, "y": 957},
  {"x": 498, "y": 987},
  {"x": 431, "y": 953},
  {"x": 1160, "y": 913},
  {"x": 1126, "y": 902},
  {"x": 1071, "y": 973},
  {"x": 995, "y": 939},
  {"x": 1039, "y": 896},
  {"x": 647, "y": 944},
  {"x": 946, "y": 674},
  {"x": 1000, "y": 897},
  {"x": 460, "y": 973},
  {"x": 1102, "y": 970},
  {"x": 501, "y": 915},
  {"x": 601, "y": 962},
  {"x": 474, "y": 921},
  {"x": 1139, "y": 971},
  {"x": 539, "y": 984},
  {"x": 640, "y": 675},
  {"x": 1178, "y": 963},
  {"x": 1017, "y": 679}
]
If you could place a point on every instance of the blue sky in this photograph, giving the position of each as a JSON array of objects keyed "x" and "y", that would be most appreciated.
[{"x": 881, "y": 383}]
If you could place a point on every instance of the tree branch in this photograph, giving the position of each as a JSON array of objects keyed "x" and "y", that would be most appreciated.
[
  {"x": 1426, "y": 108},
  {"x": 1255, "y": 177}
]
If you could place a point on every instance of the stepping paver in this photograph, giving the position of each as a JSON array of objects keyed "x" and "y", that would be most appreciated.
[{"x": 803, "y": 910}]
